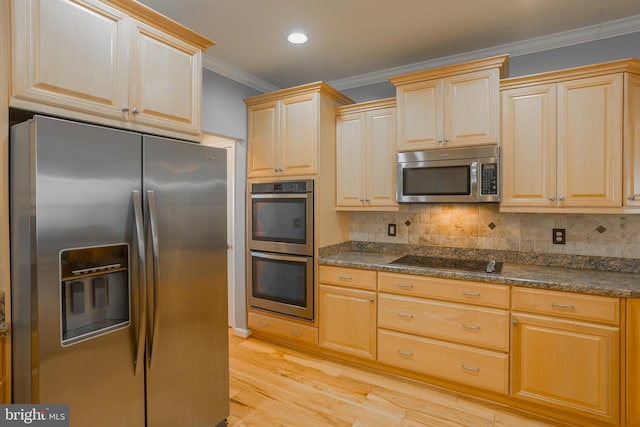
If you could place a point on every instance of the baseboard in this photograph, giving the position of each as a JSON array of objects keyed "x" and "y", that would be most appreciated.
[{"x": 243, "y": 333}]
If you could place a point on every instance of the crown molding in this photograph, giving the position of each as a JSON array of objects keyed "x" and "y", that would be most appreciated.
[
  {"x": 603, "y": 31},
  {"x": 607, "y": 30},
  {"x": 233, "y": 73}
]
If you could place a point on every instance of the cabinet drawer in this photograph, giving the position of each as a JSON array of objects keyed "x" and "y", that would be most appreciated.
[
  {"x": 476, "y": 367},
  {"x": 283, "y": 328},
  {"x": 485, "y": 327},
  {"x": 351, "y": 277},
  {"x": 567, "y": 304},
  {"x": 486, "y": 294}
]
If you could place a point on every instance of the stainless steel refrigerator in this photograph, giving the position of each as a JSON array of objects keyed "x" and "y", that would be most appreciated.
[{"x": 118, "y": 275}]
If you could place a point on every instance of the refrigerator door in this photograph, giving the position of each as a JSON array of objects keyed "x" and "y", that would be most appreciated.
[
  {"x": 71, "y": 188},
  {"x": 187, "y": 350}
]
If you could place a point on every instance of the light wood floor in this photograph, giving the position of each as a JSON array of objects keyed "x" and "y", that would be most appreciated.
[{"x": 274, "y": 386}]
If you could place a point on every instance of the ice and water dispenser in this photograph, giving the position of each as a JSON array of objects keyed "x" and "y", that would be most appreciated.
[{"x": 95, "y": 291}]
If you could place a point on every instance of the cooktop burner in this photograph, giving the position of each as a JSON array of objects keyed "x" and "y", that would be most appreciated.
[{"x": 450, "y": 263}]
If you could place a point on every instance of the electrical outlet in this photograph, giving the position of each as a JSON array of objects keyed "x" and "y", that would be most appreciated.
[
  {"x": 391, "y": 230},
  {"x": 559, "y": 236}
]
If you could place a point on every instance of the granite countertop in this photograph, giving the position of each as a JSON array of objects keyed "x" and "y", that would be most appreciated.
[{"x": 582, "y": 280}]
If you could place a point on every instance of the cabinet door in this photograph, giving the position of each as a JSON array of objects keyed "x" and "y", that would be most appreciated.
[
  {"x": 262, "y": 136},
  {"x": 472, "y": 108},
  {"x": 348, "y": 320},
  {"x": 529, "y": 146},
  {"x": 566, "y": 365},
  {"x": 350, "y": 160},
  {"x": 590, "y": 142},
  {"x": 70, "y": 54},
  {"x": 381, "y": 161},
  {"x": 632, "y": 141},
  {"x": 298, "y": 151},
  {"x": 420, "y": 115},
  {"x": 632, "y": 377},
  {"x": 165, "y": 81}
]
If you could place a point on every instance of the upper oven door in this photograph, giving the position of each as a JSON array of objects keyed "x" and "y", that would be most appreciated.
[
  {"x": 445, "y": 181},
  {"x": 282, "y": 222}
]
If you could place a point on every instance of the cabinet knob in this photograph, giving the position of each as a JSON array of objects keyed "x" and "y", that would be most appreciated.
[
  {"x": 135, "y": 111},
  {"x": 631, "y": 198},
  {"x": 446, "y": 140},
  {"x": 372, "y": 299},
  {"x": 441, "y": 141},
  {"x": 125, "y": 108},
  {"x": 561, "y": 198},
  {"x": 552, "y": 198},
  {"x": 514, "y": 322}
]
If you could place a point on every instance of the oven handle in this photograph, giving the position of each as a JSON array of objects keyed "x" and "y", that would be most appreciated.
[
  {"x": 282, "y": 196},
  {"x": 281, "y": 257}
]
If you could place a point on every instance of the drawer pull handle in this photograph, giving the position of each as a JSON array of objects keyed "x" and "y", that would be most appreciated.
[
  {"x": 405, "y": 285},
  {"x": 405, "y": 315},
  {"x": 471, "y": 294},
  {"x": 346, "y": 278},
  {"x": 405, "y": 353},
  {"x": 562, "y": 306},
  {"x": 469, "y": 368},
  {"x": 472, "y": 327},
  {"x": 263, "y": 323},
  {"x": 296, "y": 332}
]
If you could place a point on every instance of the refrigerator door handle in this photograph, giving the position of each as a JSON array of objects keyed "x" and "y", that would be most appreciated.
[
  {"x": 155, "y": 248},
  {"x": 142, "y": 282}
]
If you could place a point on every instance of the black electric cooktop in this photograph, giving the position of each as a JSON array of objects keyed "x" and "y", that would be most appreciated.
[{"x": 472, "y": 265}]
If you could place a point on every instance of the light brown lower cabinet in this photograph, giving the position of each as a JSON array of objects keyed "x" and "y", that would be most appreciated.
[
  {"x": 565, "y": 354},
  {"x": 3, "y": 381},
  {"x": 633, "y": 362},
  {"x": 464, "y": 364},
  {"x": 567, "y": 365},
  {"x": 348, "y": 320},
  {"x": 282, "y": 329},
  {"x": 568, "y": 355}
]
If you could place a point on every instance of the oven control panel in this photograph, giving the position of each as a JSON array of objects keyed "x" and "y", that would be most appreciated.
[{"x": 281, "y": 187}]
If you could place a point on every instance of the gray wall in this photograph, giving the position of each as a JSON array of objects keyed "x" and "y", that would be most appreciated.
[
  {"x": 223, "y": 109},
  {"x": 627, "y": 46},
  {"x": 224, "y": 112}
]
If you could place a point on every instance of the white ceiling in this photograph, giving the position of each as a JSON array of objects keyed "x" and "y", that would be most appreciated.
[{"x": 356, "y": 42}]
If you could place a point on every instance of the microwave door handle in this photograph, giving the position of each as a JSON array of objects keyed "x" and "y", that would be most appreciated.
[
  {"x": 140, "y": 250},
  {"x": 474, "y": 179}
]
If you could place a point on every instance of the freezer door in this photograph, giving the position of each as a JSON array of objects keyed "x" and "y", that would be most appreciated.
[
  {"x": 71, "y": 187},
  {"x": 187, "y": 351}
]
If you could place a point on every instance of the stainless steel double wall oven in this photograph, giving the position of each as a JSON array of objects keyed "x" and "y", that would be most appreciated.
[{"x": 280, "y": 268}]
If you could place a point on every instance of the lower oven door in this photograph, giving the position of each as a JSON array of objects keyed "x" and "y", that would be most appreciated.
[{"x": 281, "y": 284}]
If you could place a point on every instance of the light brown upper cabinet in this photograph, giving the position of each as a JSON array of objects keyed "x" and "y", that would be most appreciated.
[
  {"x": 565, "y": 138},
  {"x": 287, "y": 127},
  {"x": 119, "y": 64},
  {"x": 365, "y": 156},
  {"x": 452, "y": 106}
]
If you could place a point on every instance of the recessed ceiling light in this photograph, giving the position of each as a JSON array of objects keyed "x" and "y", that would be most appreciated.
[{"x": 297, "y": 38}]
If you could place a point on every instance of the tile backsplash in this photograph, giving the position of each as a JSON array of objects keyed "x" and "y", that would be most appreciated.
[{"x": 485, "y": 227}]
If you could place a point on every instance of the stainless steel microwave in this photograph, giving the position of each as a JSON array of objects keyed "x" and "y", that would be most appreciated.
[{"x": 449, "y": 175}]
